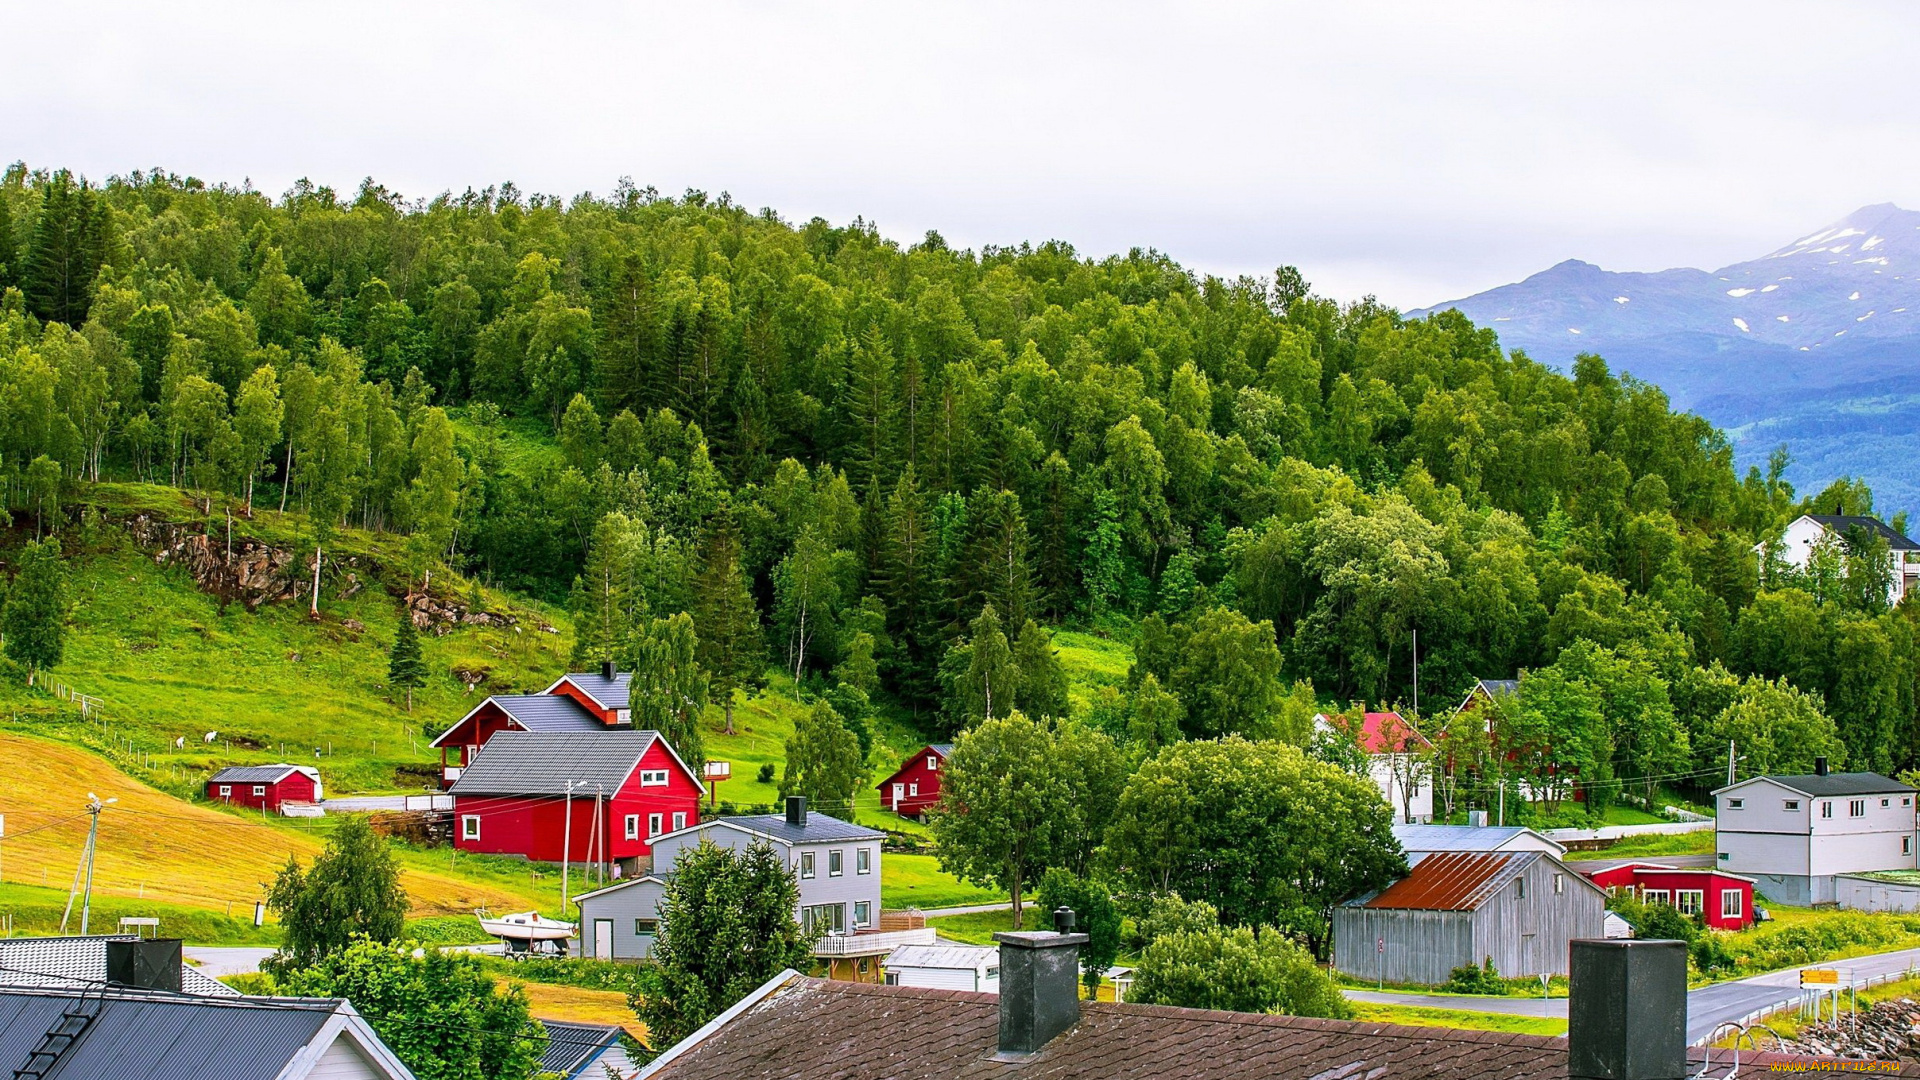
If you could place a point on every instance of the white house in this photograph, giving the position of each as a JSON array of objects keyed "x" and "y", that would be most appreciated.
[
  {"x": 1793, "y": 834},
  {"x": 1808, "y": 532},
  {"x": 945, "y": 965},
  {"x": 1394, "y": 761}
]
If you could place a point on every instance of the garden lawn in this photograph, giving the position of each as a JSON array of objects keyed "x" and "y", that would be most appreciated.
[
  {"x": 1692, "y": 843},
  {"x": 1456, "y": 1018},
  {"x": 978, "y": 928},
  {"x": 916, "y": 881}
]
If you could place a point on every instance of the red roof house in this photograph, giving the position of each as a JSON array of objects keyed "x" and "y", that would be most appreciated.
[
  {"x": 577, "y": 701},
  {"x": 264, "y": 787},
  {"x": 915, "y": 786},
  {"x": 1721, "y": 900},
  {"x": 581, "y": 796}
]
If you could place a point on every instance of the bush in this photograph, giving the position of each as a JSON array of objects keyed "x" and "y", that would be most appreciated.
[
  {"x": 1710, "y": 953},
  {"x": 1468, "y": 979},
  {"x": 766, "y": 773},
  {"x": 1238, "y": 970}
]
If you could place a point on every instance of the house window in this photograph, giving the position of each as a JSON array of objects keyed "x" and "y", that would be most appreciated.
[
  {"x": 1857, "y": 808},
  {"x": 862, "y": 914},
  {"x": 1559, "y": 884},
  {"x": 633, "y": 826},
  {"x": 1826, "y": 809},
  {"x": 259, "y": 789},
  {"x": 1886, "y": 802},
  {"x": 226, "y": 791},
  {"x": 933, "y": 763},
  {"x": 835, "y": 866},
  {"x": 1690, "y": 901},
  {"x": 645, "y": 927},
  {"x": 653, "y": 778},
  {"x": 1520, "y": 888},
  {"x": 806, "y": 864},
  {"x": 1656, "y": 896},
  {"x": 913, "y": 788},
  {"x": 679, "y": 820},
  {"x": 1906, "y": 845},
  {"x": 470, "y": 827},
  {"x": 1736, "y": 804},
  {"x": 653, "y": 826},
  {"x": 1791, "y": 805},
  {"x": 623, "y": 716},
  {"x": 1731, "y": 904},
  {"x": 818, "y": 919},
  {"x": 864, "y": 968},
  {"x": 863, "y": 860},
  {"x": 1906, "y": 800},
  {"x": 893, "y": 978}
]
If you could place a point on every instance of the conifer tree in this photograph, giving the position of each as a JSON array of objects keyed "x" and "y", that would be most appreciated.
[
  {"x": 824, "y": 762},
  {"x": 68, "y": 245},
  {"x": 406, "y": 669},
  {"x": 908, "y": 586},
  {"x": 731, "y": 647},
  {"x": 668, "y": 690},
  {"x": 870, "y": 410},
  {"x": 8, "y": 252}
]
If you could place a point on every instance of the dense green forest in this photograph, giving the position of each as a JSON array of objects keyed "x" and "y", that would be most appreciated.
[{"x": 891, "y": 470}]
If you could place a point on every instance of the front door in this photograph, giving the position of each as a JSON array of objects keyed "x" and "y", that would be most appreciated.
[
  {"x": 603, "y": 939},
  {"x": 898, "y": 791}
]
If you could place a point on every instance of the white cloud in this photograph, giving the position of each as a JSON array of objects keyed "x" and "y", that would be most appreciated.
[{"x": 1419, "y": 152}]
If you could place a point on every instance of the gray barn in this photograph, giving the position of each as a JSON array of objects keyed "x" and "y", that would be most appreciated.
[{"x": 1459, "y": 908}]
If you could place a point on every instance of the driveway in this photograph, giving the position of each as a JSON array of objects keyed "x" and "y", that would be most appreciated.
[
  {"x": 1707, "y": 1007},
  {"x": 362, "y": 804},
  {"x": 223, "y": 960}
]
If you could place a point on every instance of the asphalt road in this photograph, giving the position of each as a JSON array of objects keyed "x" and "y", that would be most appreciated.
[
  {"x": 222, "y": 960},
  {"x": 1707, "y": 1007}
]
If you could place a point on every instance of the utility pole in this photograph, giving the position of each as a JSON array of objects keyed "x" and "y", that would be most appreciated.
[
  {"x": 600, "y": 827},
  {"x": 1416, "y": 673},
  {"x": 566, "y": 848},
  {"x": 1729, "y": 762},
  {"x": 94, "y": 806},
  {"x": 1503, "y": 801}
]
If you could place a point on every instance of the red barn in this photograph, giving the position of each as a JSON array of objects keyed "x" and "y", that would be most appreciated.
[
  {"x": 1722, "y": 901},
  {"x": 264, "y": 786},
  {"x": 620, "y": 789},
  {"x": 578, "y": 701},
  {"x": 915, "y": 786}
]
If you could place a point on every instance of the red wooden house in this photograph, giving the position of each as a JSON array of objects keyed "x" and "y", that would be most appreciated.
[
  {"x": 1721, "y": 900},
  {"x": 264, "y": 786},
  {"x": 582, "y": 796},
  {"x": 915, "y": 786},
  {"x": 577, "y": 701}
]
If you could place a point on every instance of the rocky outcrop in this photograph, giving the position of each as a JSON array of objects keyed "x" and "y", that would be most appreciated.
[
  {"x": 251, "y": 573},
  {"x": 437, "y": 614},
  {"x": 1890, "y": 1031}
]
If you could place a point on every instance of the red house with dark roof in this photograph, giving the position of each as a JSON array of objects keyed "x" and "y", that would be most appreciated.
[
  {"x": 264, "y": 786},
  {"x": 581, "y": 796},
  {"x": 914, "y": 787},
  {"x": 577, "y": 701},
  {"x": 1721, "y": 900}
]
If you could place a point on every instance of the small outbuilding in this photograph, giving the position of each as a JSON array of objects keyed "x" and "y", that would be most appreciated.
[
  {"x": 621, "y": 921},
  {"x": 265, "y": 786},
  {"x": 1718, "y": 899},
  {"x": 914, "y": 787},
  {"x": 1459, "y": 908},
  {"x": 944, "y": 965}
]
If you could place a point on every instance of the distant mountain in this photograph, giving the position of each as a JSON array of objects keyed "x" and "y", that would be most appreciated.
[{"x": 1815, "y": 344}]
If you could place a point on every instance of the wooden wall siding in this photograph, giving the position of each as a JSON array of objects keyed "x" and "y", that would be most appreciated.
[{"x": 1421, "y": 946}]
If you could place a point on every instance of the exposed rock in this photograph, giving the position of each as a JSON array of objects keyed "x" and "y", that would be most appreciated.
[
  {"x": 1888, "y": 1031},
  {"x": 253, "y": 573},
  {"x": 437, "y": 615}
]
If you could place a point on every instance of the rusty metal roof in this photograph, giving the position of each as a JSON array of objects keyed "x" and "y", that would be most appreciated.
[{"x": 1453, "y": 880}]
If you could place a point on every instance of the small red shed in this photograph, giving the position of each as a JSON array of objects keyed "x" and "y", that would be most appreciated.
[
  {"x": 915, "y": 786},
  {"x": 264, "y": 786},
  {"x": 585, "y": 797},
  {"x": 1720, "y": 900}
]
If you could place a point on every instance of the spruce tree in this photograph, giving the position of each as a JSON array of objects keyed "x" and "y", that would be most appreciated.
[
  {"x": 68, "y": 244},
  {"x": 8, "y": 253},
  {"x": 35, "y": 621},
  {"x": 406, "y": 670},
  {"x": 731, "y": 647}
]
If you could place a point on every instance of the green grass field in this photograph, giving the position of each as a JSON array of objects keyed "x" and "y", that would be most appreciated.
[
  {"x": 916, "y": 881},
  {"x": 1457, "y": 1018},
  {"x": 1693, "y": 843}
]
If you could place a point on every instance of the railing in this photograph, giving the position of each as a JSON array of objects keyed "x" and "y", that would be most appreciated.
[{"x": 870, "y": 942}]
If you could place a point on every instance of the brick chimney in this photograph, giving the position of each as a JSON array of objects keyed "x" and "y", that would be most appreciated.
[
  {"x": 1627, "y": 1010},
  {"x": 1039, "y": 985}
]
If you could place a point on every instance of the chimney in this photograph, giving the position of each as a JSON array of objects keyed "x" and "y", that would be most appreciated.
[
  {"x": 1477, "y": 819},
  {"x": 797, "y": 811},
  {"x": 153, "y": 964},
  {"x": 606, "y": 670},
  {"x": 1819, "y": 766},
  {"x": 1039, "y": 985},
  {"x": 1627, "y": 1010}
]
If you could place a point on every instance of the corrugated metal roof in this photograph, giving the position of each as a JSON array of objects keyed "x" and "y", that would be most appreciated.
[
  {"x": 945, "y": 956},
  {"x": 164, "y": 1037},
  {"x": 612, "y": 693},
  {"x": 1453, "y": 880},
  {"x": 541, "y": 762},
  {"x": 548, "y": 712},
  {"x": 67, "y": 962},
  {"x": 820, "y": 828},
  {"x": 570, "y": 1046},
  {"x": 944, "y": 749},
  {"x": 253, "y": 774}
]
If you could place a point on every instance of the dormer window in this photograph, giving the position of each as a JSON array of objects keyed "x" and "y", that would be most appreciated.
[
  {"x": 653, "y": 778},
  {"x": 933, "y": 762}
]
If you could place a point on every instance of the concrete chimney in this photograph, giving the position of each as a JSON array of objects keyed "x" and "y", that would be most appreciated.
[
  {"x": 152, "y": 964},
  {"x": 1627, "y": 1010},
  {"x": 1477, "y": 819},
  {"x": 1039, "y": 985},
  {"x": 607, "y": 670},
  {"x": 797, "y": 811},
  {"x": 1819, "y": 766}
]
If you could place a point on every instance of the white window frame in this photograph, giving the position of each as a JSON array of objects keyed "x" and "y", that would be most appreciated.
[
  {"x": 679, "y": 820},
  {"x": 1857, "y": 808},
  {"x": 1690, "y": 901},
  {"x": 632, "y": 825},
  {"x": 470, "y": 826},
  {"x": 933, "y": 763},
  {"x": 1732, "y": 904},
  {"x": 1791, "y": 806},
  {"x": 1826, "y": 808},
  {"x": 1656, "y": 896},
  {"x": 863, "y": 860},
  {"x": 806, "y": 866},
  {"x": 1886, "y": 802},
  {"x": 836, "y": 863},
  {"x": 862, "y": 914},
  {"x": 654, "y": 821},
  {"x": 1906, "y": 845},
  {"x": 646, "y": 927},
  {"x": 623, "y": 716},
  {"x": 1559, "y": 884},
  {"x": 226, "y": 791},
  {"x": 1736, "y": 804},
  {"x": 260, "y": 790},
  {"x": 653, "y": 778},
  {"x": 913, "y": 789}
]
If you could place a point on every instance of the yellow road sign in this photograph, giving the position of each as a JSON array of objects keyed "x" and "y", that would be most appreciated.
[{"x": 1819, "y": 977}]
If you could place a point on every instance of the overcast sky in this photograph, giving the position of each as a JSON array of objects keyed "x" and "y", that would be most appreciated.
[{"x": 1418, "y": 151}]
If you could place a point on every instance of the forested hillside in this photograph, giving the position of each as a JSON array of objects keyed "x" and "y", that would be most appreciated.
[{"x": 893, "y": 471}]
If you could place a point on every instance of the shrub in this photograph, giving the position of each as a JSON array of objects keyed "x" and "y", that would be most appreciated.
[
  {"x": 1238, "y": 970},
  {"x": 1468, "y": 979},
  {"x": 766, "y": 773}
]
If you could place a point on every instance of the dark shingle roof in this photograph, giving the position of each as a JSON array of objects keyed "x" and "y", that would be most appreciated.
[
  {"x": 163, "y": 1037},
  {"x": 820, "y": 828},
  {"x": 541, "y": 762},
  {"x": 570, "y": 1047},
  {"x": 548, "y": 712},
  {"x": 1842, "y": 783},
  {"x": 252, "y": 774},
  {"x": 917, "y": 1033},
  {"x": 1840, "y": 523},
  {"x": 611, "y": 693}
]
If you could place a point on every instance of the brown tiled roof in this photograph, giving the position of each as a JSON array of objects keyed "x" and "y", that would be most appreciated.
[
  {"x": 1453, "y": 880},
  {"x": 813, "y": 1029}
]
